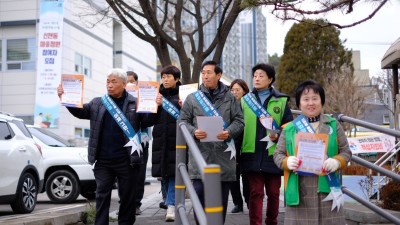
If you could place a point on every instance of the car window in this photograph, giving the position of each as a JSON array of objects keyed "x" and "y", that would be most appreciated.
[
  {"x": 5, "y": 132},
  {"x": 22, "y": 127},
  {"x": 48, "y": 137}
]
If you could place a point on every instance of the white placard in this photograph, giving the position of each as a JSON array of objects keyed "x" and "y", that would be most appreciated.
[{"x": 212, "y": 125}]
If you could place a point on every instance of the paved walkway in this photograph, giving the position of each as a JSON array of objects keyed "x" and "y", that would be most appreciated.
[{"x": 153, "y": 215}]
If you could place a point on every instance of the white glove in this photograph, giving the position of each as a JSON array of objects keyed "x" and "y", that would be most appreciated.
[
  {"x": 331, "y": 165},
  {"x": 292, "y": 162}
]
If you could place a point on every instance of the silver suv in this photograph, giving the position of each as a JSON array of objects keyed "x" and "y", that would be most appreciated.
[
  {"x": 67, "y": 171},
  {"x": 21, "y": 172}
]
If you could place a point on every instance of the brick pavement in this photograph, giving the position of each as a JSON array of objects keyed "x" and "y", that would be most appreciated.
[{"x": 153, "y": 215}]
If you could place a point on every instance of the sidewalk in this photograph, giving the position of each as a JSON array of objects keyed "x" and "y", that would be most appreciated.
[{"x": 153, "y": 215}]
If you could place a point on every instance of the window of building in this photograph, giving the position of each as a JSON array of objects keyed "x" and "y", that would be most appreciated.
[
  {"x": 385, "y": 96},
  {"x": 83, "y": 65},
  {"x": 78, "y": 63},
  {"x": 386, "y": 119},
  {"x": 81, "y": 132},
  {"x": 21, "y": 54}
]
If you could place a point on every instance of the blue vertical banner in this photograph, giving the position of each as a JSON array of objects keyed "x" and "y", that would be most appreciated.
[{"x": 48, "y": 69}]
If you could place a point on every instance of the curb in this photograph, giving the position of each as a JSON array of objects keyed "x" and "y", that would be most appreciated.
[{"x": 55, "y": 218}]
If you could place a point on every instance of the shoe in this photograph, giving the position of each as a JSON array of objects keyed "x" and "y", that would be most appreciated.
[
  {"x": 170, "y": 216},
  {"x": 138, "y": 211},
  {"x": 237, "y": 209},
  {"x": 163, "y": 205}
]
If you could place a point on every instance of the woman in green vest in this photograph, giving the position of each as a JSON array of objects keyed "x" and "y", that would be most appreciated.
[{"x": 305, "y": 190}]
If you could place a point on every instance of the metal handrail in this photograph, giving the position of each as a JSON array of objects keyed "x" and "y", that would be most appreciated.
[
  {"x": 371, "y": 206},
  {"x": 365, "y": 163},
  {"x": 371, "y": 126},
  {"x": 211, "y": 176},
  {"x": 385, "y": 157},
  {"x": 374, "y": 167}
]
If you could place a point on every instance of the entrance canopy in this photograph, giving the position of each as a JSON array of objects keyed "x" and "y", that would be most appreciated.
[{"x": 392, "y": 56}]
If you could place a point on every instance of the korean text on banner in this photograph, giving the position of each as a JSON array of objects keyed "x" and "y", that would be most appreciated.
[{"x": 50, "y": 30}]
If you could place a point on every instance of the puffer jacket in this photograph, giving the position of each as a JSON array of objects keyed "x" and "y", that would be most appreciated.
[
  {"x": 95, "y": 111},
  {"x": 214, "y": 152},
  {"x": 164, "y": 137}
]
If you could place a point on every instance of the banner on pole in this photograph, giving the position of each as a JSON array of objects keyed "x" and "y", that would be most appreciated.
[{"x": 48, "y": 70}]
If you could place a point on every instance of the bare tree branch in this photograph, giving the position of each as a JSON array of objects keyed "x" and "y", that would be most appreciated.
[{"x": 297, "y": 10}]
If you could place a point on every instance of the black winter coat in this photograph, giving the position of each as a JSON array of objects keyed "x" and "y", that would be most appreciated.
[
  {"x": 164, "y": 137},
  {"x": 95, "y": 111}
]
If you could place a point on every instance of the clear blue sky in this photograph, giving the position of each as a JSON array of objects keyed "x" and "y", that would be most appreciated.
[{"x": 372, "y": 37}]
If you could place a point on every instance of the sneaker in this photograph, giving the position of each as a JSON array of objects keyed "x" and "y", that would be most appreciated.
[
  {"x": 237, "y": 209},
  {"x": 162, "y": 205},
  {"x": 170, "y": 216},
  {"x": 138, "y": 211}
]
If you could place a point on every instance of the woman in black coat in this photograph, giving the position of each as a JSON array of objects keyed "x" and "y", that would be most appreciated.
[{"x": 164, "y": 136}]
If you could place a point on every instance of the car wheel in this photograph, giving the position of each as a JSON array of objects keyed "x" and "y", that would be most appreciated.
[
  {"x": 26, "y": 195},
  {"x": 89, "y": 195},
  {"x": 62, "y": 187}
]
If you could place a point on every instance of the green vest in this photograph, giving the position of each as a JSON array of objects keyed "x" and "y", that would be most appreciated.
[
  {"x": 292, "y": 179},
  {"x": 275, "y": 107}
]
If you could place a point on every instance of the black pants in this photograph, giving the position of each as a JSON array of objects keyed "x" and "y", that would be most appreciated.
[
  {"x": 105, "y": 172},
  {"x": 141, "y": 176},
  {"x": 199, "y": 188},
  {"x": 246, "y": 188},
  {"x": 235, "y": 189}
]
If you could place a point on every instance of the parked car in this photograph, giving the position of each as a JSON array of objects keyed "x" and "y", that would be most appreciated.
[
  {"x": 21, "y": 173},
  {"x": 66, "y": 168}
]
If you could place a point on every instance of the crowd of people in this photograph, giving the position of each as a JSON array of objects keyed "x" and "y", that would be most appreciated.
[{"x": 257, "y": 124}]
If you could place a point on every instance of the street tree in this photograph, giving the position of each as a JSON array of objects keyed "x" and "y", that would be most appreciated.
[
  {"x": 300, "y": 10},
  {"x": 178, "y": 28},
  {"x": 347, "y": 93},
  {"x": 274, "y": 60},
  {"x": 311, "y": 52}
]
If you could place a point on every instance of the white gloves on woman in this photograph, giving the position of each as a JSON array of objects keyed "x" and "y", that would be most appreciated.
[
  {"x": 331, "y": 165},
  {"x": 292, "y": 162}
]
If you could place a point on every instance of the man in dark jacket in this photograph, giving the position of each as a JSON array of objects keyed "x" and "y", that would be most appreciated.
[
  {"x": 107, "y": 143},
  {"x": 164, "y": 136},
  {"x": 219, "y": 96},
  {"x": 265, "y": 110}
]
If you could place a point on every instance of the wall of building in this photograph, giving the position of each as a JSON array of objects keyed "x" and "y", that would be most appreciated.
[{"x": 17, "y": 88}]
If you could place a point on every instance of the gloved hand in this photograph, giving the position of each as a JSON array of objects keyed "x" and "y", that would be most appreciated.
[
  {"x": 292, "y": 162},
  {"x": 331, "y": 165}
]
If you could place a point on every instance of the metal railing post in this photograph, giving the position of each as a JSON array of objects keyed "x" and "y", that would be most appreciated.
[
  {"x": 181, "y": 155},
  {"x": 213, "y": 194}
]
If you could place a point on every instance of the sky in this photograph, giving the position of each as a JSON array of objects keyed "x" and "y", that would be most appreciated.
[{"x": 372, "y": 38}]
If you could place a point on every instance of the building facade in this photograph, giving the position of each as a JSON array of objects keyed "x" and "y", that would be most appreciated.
[
  {"x": 89, "y": 47},
  {"x": 245, "y": 46}
]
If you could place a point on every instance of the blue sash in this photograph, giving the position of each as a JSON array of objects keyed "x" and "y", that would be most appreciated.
[
  {"x": 258, "y": 109},
  {"x": 302, "y": 125},
  {"x": 210, "y": 110},
  {"x": 170, "y": 108},
  {"x": 123, "y": 123}
]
